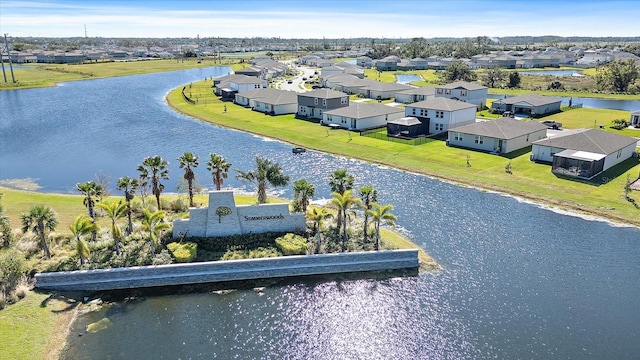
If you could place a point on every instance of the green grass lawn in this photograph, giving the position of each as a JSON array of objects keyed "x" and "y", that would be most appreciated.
[{"x": 529, "y": 180}]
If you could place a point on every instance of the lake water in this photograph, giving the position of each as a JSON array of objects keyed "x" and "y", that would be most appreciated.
[
  {"x": 406, "y": 78},
  {"x": 553, "y": 72},
  {"x": 518, "y": 281},
  {"x": 628, "y": 105}
]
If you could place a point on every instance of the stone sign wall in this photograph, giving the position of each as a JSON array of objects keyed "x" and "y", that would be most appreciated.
[{"x": 223, "y": 218}]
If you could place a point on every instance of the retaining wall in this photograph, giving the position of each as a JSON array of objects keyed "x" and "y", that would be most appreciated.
[{"x": 232, "y": 270}]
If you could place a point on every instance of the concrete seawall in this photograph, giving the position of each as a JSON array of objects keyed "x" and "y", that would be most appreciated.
[{"x": 232, "y": 270}]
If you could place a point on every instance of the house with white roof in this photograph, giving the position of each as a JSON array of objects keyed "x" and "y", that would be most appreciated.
[
  {"x": 465, "y": 91},
  {"x": 500, "y": 136},
  {"x": 440, "y": 114},
  {"x": 584, "y": 153},
  {"x": 361, "y": 116}
]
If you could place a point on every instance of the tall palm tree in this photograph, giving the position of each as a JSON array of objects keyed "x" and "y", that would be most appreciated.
[
  {"x": 92, "y": 193},
  {"x": 302, "y": 192},
  {"x": 380, "y": 213},
  {"x": 340, "y": 181},
  {"x": 154, "y": 224},
  {"x": 344, "y": 202},
  {"x": 266, "y": 173},
  {"x": 219, "y": 167},
  {"x": 81, "y": 226},
  {"x": 115, "y": 211},
  {"x": 318, "y": 215},
  {"x": 188, "y": 161},
  {"x": 154, "y": 168},
  {"x": 129, "y": 186},
  {"x": 368, "y": 195},
  {"x": 40, "y": 219}
]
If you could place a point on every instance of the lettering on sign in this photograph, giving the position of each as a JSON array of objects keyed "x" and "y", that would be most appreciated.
[{"x": 264, "y": 217}]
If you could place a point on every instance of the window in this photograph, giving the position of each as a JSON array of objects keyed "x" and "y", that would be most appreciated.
[
  {"x": 344, "y": 100},
  {"x": 479, "y": 140},
  {"x": 440, "y": 114},
  {"x": 324, "y": 102},
  {"x": 619, "y": 154},
  {"x": 329, "y": 118},
  {"x": 315, "y": 101},
  {"x": 463, "y": 92},
  {"x": 457, "y": 136},
  {"x": 422, "y": 112},
  {"x": 447, "y": 92},
  {"x": 439, "y": 127},
  {"x": 440, "y": 91},
  {"x": 413, "y": 111}
]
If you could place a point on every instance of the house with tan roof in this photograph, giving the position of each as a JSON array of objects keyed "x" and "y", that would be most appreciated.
[
  {"x": 465, "y": 91},
  {"x": 361, "y": 116},
  {"x": 584, "y": 153},
  {"x": 440, "y": 114},
  {"x": 500, "y": 136}
]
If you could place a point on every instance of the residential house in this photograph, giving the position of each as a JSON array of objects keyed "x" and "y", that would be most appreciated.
[
  {"x": 364, "y": 61},
  {"x": 381, "y": 90},
  {"x": 419, "y": 63},
  {"x": 500, "y": 136},
  {"x": 440, "y": 114},
  {"x": 389, "y": 63},
  {"x": 528, "y": 105},
  {"x": 465, "y": 91},
  {"x": 227, "y": 86},
  {"x": 250, "y": 71},
  {"x": 312, "y": 104},
  {"x": 634, "y": 120},
  {"x": 584, "y": 153},
  {"x": 415, "y": 94},
  {"x": 361, "y": 116},
  {"x": 269, "y": 101}
]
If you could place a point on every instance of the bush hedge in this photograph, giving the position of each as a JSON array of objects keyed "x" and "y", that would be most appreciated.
[
  {"x": 183, "y": 252},
  {"x": 292, "y": 244}
]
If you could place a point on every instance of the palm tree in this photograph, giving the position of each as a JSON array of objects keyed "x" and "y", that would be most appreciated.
[
  {"x": 81, "y": 226},
  {"x": 340, "y": 181},
  {"x": 318, "y": 215},
  {"x": 379, "y": 213},
  {"x": 154, "y": 168},
  {"x": 129, "y": 186},
  {"x": 344, "y": 202},
  {"x": 266, "y": 173},
  {"x": 188, "y": 161},
  {"x": 302, "y": 192},
  {"x": 39, "y": 219},
  {"x": 368, "y": 195},
  {"x": 154, "y": 224},
  {"x": 115, "y": 211},
  {"x": 219, "y": 167},
  {"x": 92, "y": 192}
]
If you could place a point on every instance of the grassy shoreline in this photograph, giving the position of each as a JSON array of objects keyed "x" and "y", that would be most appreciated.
[{"x": 531, "y": 181}]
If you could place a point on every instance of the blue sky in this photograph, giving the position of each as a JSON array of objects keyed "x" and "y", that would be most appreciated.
[{"x": 319, "y": 18}]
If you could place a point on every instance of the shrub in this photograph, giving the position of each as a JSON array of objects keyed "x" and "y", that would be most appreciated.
[
  {"x": 261, "y": 252},
  {"x": 12, "y": 268},
  {"x": 292, "y": 244},
  {"x": 178, "y": 205},
  {"x": 183, "y": 252},
  {"x": 162, "y": 258}
]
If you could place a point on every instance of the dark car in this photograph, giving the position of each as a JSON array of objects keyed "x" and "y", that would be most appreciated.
[
  {"x": 289, "y": 81},
  {"x": 552, "y": 124}
]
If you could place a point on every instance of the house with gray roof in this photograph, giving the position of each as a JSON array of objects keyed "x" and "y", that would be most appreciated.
[
  {"x": 389, "y": 63},
  {"x": 361, "y": 116},
  {"x": 381, "y": 90},
  {"x": 583, "y": 153},
  {"x": 312, "y": 104},
  {"x": 440, "y": 114},
  {"x": 500, "y": 136},
  {"x": 269, "y": 101},
  {"x": 528, "y": 105},
  {"x": 465, "y": 91},
  {"x": 227, "y": 86},
  {"x": 415, "y": 94},
  {"x": 634, "y": 120}
]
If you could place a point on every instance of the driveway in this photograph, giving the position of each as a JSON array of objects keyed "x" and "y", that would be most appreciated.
[{"x": 296, "y": 82}]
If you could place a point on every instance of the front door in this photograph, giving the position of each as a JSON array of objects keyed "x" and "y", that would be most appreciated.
[{"x": 497, "y": 145}]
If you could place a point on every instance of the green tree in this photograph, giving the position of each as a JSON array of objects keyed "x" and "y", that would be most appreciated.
[
  {"x": 318, "y": 215},
  {"x": 617, "y": 75},
  {"x": 39, "y": 219},
  {"x": 380, "y": 213},
  {"x": 188, "y": 161},
  {"x": 154, "y": 168},
  {"x": 154, "y": 224},
  {"x": 81, "y": 226},
  {"x": 266, "y": 173},
  {"x": 457, "y": 70},
  {"x": 219, "y": 168},
  {"x": 514, "y": 79},
  {"x": 6, "y": 235},
  {"x": 344, "y": 202},
  {"x": 302, "y": 192},
  {"x": 368, "y": 195},
  {"x": 92, "y": 193},
  {"x": 339, "y": 182},
  {"x": 493, "y": 77},
  {"x": 115, "y": 211},
  {"x": 129, "y": 186}
]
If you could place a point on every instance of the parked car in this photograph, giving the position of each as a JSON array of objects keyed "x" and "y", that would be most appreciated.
[
  {"x": 304, "y": 78},
  {"x": 289, "y": 81},
  {"x": 552, "y": 124}
]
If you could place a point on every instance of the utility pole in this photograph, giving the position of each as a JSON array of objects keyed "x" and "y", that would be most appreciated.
[
  {"x": 2, "y": 62},
  {"x": 6, "y": 43}
]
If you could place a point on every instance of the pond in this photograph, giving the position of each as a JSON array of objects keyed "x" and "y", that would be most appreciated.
[
  {"x": 407, "y": 78},
  {"x": 552, "y": 72},
  {"x": 627, "y": 105},
  {"x": 518, "y": 280}
]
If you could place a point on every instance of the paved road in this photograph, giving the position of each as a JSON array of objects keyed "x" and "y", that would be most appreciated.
[{"x": 296, "y": 82}]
